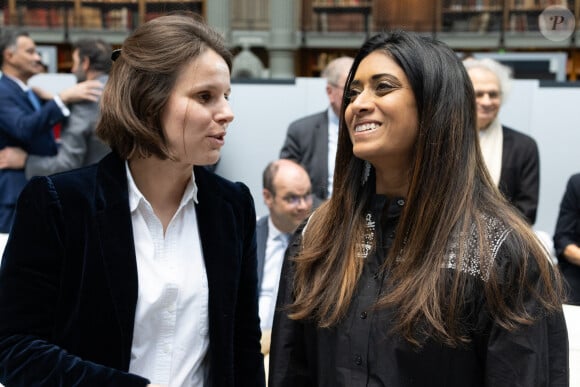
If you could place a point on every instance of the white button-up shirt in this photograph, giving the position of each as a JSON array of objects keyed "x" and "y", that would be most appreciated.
[
  {"x": 170, "y": 336},
  {"x": 273, "y": 260},
  {"x": 333, "y": 121}
]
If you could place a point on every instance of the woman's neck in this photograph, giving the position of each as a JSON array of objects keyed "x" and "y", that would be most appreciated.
[
  {"x": 162, "y": 183},
  {"x": 392, "y": 182}
]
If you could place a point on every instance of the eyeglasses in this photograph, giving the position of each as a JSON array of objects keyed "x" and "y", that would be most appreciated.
[
  {"x": 337, "y": 87},
  {"x": 295, "y": 200},
  {"x": 490, "y": 94}
]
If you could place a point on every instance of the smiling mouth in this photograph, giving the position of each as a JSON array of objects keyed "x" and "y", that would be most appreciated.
[{"x": 365, "y": 127}]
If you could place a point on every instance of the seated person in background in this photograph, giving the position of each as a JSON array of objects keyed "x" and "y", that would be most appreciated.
[
  {"x": 511, "y": 157},
  {"x": 79, "y": 146},
  {"x": 567, "y": 239},
  {"x": 287, "y": 193}
]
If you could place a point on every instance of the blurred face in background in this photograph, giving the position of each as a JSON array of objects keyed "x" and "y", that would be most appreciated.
[
  {"x": 22, "y": 60},
  {"x": 335, "y": 92},
  {"x": 291, "y": 201},
  {"x": 80, "y": 66},
  {"x": 487, "y": 96}
]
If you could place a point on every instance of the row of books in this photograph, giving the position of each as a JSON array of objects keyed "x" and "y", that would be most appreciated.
[
  {"x": 88, "y": 18},
  {"x": 339, "y": 2},
  {"x": 23, "y": 2},
  {"x": 457, "y": 5},
  {"x": 531, "y": 4},
  {"x": 491, "y": 21}
]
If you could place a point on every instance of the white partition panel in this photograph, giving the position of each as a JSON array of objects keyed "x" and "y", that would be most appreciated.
[{"x": 263, "y": 112}]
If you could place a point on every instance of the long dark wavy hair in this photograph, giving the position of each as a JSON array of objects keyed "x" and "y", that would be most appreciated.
[{"x": 450, "y": 194}]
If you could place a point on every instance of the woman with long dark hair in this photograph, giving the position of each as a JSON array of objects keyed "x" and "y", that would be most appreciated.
[{"x": 416, "y": 272}]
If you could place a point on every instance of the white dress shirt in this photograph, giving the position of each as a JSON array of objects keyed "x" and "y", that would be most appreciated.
[
  {"x": 332, "y": 145},
  {"x": 273, "y": 259},
  {"x": 491, "y": 145},
  {"x": 170, "y": 337}
]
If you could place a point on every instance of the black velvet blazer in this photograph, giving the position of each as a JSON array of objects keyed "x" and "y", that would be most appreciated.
[{"x": 68, "y": 281}]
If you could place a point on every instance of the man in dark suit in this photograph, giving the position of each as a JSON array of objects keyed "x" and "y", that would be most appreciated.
[
  {"x": 27, "y": 117},
  {"x": 287, "y": 194},
  {"x": 511, "y": 157},
  {"x": 567, "y": 238},
  {"x": 311, "y": 140},
  {"x": 78, "y": 144}
]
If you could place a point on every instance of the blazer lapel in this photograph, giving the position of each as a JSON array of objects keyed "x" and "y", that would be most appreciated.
[
  {"x": 323, "y": 141},
  {"x": 212, "y": 223},
  {"x": 21, "y": 96},
  {"x": 261, "y": 243},
  {"x": 116, "y": 240}
]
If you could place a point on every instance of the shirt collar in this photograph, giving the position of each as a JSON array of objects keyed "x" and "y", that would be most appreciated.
[
  {"x": 22, "y": 85},
  {"x": 273, "y": 232},
  {"x": 135, "y": 196},
  {"x": 332, "y": 117}
]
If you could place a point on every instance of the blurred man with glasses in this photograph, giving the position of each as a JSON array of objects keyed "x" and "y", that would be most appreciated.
[{"x": 288, "y": 196}]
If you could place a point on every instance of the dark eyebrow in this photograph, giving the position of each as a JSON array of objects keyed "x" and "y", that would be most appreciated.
[
  {"x": 390, "y": 77},
  {"x": 377, "y": 77}
]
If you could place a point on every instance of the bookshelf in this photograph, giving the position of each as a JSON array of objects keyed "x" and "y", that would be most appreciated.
[
  {"x": 495, "y": 15},
  {"x": 523, "y": 14},
  {"x": 324, "y": 8},
  {"x": 471, "y": 15},
  {"x": 123, "y": 15},
  {"x": 55, "y": 21},
  {"x": 315, "y": 60}
]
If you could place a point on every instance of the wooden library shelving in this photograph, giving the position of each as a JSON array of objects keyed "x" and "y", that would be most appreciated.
[
  {"x": 328, "y": 7},
  {"x": 92, "y": 14},
  {"x": 311, "y": 62},
  {"x": 328, "y": 27},
  {"x": 104, "y": 18},
  {"x": 497, "y": 15}
]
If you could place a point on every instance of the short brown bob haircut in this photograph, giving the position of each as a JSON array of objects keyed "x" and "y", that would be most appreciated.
[{"x": 142, "y": 78}]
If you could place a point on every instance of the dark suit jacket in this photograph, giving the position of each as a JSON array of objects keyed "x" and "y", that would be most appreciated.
[
  {"x": 520, "y": 172},
  {"x": 23, "y": 127},
  {"x": 261, "y": 242},
  {"x": 307, "y": 143},
  {"x": 568, "y": 232},
  {"x": 68, "y": 281}
]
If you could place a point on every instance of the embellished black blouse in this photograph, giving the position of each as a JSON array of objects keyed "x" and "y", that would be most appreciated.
[{"x": 363, "y": 351}]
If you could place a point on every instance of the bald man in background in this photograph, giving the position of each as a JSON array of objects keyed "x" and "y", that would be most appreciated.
[{"x": 287, "y": 193}]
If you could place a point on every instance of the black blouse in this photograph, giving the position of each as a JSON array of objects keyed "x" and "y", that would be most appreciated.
[{"x": 361, "y": 350}]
